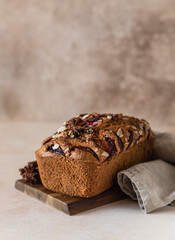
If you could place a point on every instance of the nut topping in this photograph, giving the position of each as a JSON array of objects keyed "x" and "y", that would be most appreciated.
[
  {"x": 56, "y": 135},
  {"x": 141, "y": 132},
  {"x": 105, "y": 154},
  {"x": 86, "y": 127},
  {"x": 55, "y": 146},
  {"x": 134, "y": 127},
  {"x": 85, "y": 116},
  {"x": 120, "y": 132},
  {"x": 90, "y": 130},
  {"x": 61, "y": 129}
]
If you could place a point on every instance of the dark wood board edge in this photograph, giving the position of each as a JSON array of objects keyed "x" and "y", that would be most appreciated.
[
  {"x": 75, "y": 204},
  {"x": 40, "y": 194},
  {"x": 111, "y": 195}
]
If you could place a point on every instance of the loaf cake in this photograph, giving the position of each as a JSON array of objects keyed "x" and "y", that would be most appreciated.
[{"x": 83, "y": 157}]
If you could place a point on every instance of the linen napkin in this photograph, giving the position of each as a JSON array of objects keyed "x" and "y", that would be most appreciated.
[{"x": 152, "y": 183}]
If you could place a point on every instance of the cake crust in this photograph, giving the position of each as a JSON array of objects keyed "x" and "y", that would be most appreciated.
[{"x": 83, "y": 157}]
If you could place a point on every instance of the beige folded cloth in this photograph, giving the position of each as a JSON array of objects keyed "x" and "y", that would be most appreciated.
[{"x": 153, "y": 183}]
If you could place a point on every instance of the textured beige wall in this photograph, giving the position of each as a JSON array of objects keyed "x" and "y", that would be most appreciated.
[{"x": 59, "y": 58}]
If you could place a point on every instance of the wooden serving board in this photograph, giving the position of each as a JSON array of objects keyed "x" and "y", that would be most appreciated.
[{"x": 68, "y": 204}]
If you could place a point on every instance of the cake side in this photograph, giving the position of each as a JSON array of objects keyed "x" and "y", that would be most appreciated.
[{"x": 83, "y": 157}]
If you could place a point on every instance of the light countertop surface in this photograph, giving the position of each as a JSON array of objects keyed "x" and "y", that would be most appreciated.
[{"x": 25, "y": 218}]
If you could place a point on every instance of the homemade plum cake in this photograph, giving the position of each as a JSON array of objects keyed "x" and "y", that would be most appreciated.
[{"x": 83, "y": 157}]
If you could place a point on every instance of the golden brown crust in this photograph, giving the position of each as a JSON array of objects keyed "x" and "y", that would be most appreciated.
[{"x": 83, "y": 157}]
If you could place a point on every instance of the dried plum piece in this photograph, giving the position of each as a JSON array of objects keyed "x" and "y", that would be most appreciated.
[
  {"x": 58, "y": 150},
  {"x": 93, "y": 118},
  {"x": 120, "y": 143},
  {"x": 130, "y": 140},
  {"x": 30, "y": 173},
  {"x": 92, "y": 121},
  {"x": 86, "y": 149},
  {"x": 111, "y": 146}
]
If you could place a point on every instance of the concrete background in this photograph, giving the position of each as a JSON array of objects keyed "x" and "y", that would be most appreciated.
[{"x": 60, "y": 58}]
